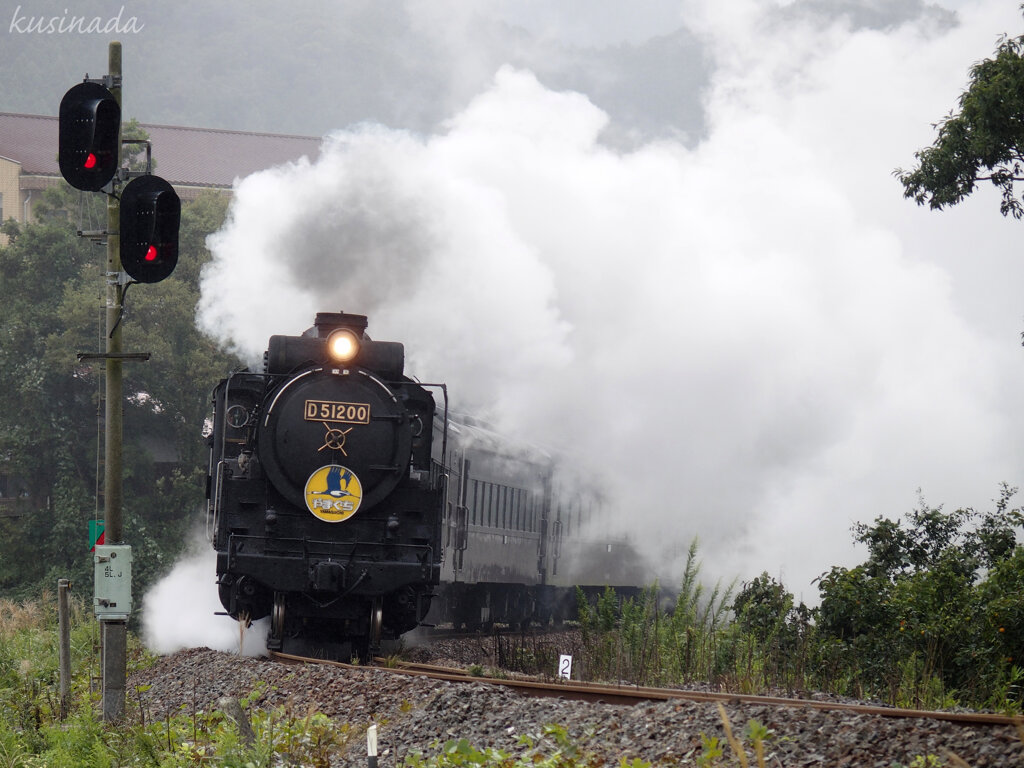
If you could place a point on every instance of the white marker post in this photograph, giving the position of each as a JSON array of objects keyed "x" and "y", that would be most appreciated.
[
  {"x": 371, "y": 746},
  {"x": 565, "y": 666}
]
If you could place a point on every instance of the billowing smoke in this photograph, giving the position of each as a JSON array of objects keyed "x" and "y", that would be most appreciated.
[
  {"x": 181, "y": 610},
  {"x": 747, "y": 340}
]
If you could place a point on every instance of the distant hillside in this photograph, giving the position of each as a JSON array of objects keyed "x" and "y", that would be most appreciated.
[{"x": 309, "y": 67}]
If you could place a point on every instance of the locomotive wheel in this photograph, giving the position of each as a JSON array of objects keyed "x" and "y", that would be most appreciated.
[
  {"x": 276, "y": 622},
  {"x": 376, "y": 623}
]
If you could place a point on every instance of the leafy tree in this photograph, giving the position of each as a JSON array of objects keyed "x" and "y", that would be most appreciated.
[
  {"x": 761, "y": 607},
  {"x": 47, "y": 407},
  {"x": 936, "y": 600},
  {"x": 1002, "y": 598},
  {"x": 772, "y": 633},
  {"x": 51, "y": 308},
  {"x": 984, "y": 141},
  {"x": 854, "y": 602}
]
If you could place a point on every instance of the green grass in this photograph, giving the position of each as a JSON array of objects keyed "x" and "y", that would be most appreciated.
[{"x": 32, "y": 734}]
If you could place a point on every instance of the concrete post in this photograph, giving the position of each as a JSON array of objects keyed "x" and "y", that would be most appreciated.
[{"x": 114, "y": 634}]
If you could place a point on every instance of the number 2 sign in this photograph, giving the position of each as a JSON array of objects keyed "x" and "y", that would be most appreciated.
[{"x": 565, "y": 666}]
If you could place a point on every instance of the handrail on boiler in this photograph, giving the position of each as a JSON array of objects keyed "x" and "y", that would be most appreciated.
[{"x": 213, "y": 508}]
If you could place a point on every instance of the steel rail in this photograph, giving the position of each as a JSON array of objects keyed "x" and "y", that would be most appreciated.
[{"x": 633, "y": 694}]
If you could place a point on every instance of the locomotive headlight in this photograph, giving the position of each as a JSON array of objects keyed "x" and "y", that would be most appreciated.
[{"x": 342, "y": 345}]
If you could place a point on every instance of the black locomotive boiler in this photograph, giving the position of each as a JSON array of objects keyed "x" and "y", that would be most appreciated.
[
  {"x": 324, "y": 501},
  {"x": 347, "y": 506}
]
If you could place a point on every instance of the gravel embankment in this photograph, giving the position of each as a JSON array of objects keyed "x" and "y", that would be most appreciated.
[{"x": 416, "y": 712}]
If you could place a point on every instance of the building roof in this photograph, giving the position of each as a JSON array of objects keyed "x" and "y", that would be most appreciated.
[{"x": 200, "y": 157}]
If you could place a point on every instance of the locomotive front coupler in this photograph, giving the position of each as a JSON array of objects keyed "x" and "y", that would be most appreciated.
[{"x": 327, "y": 576}]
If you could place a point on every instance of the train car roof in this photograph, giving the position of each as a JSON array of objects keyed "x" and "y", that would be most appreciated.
[{"x": 474, "y": 432}]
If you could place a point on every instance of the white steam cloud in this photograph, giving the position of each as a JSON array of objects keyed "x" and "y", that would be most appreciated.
[
  {"x": 181, "y": 610},
  {"x": 754, "y": 340}
]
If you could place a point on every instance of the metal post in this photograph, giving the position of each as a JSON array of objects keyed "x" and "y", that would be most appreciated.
[
  {"x": 64, "y": 630},
  {"x": 114, "y": 633}
]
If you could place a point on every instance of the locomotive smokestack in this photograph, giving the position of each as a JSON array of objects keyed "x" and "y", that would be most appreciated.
[
  {"x": 331, "y": 321},
  {"x": 286, "y": 353}
]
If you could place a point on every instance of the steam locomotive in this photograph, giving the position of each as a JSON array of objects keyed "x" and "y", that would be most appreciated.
[{"x": 350, "y": 507}]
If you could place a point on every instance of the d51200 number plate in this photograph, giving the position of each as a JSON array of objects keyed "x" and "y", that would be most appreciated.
[{"x": 344, "y": 413}]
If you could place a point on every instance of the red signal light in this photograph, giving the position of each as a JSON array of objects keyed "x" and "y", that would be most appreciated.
[
  {"x": 89, "y": 142},
  {"x": 150, "y": 217}
]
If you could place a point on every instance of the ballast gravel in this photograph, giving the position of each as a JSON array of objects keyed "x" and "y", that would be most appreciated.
[{"x": 415, "y": 714}]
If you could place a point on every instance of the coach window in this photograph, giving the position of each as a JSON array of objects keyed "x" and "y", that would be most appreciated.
[{"x": 476, "y": 503}]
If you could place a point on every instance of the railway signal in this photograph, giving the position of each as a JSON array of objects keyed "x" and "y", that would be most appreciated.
[
  {"x": 89, "y": 137},
  {"x": 149, "y": 220},
  {"x": 142, "y": 240}
]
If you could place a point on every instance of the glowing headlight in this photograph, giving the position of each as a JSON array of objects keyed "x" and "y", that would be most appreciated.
[{"x": 342, "y": 345}]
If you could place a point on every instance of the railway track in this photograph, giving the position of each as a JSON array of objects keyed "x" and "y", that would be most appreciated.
[
  {"x": 629, "y": 695},
  {"x": 672, "y": 727}
]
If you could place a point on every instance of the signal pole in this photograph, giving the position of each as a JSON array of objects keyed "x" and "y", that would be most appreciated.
[
  {"x": 144, "y": 219},
  {"x": 114, "y": 633}
]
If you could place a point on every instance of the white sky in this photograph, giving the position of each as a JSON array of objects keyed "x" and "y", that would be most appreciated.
[{"x": 752, "y": 337}]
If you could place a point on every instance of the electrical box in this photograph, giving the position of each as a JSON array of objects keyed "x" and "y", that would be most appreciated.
[{"x": 112, "y": 594}]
